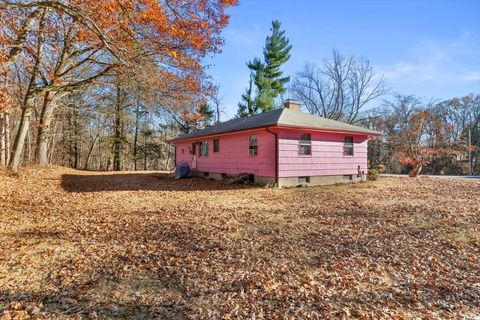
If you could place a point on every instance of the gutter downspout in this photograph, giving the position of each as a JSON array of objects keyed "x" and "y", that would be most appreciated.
[{"x": 276, "y": 153}]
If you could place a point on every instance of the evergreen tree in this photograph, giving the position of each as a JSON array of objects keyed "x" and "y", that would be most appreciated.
[
  {"x": 207, "y": 115},
  {"x": 276, "y": 53},
  {"x": 269, "y": 78},
  {"x": 247, "y": 105}
]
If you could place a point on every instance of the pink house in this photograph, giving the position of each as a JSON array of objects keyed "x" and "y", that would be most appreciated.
[{"x": 282, "y": 146}]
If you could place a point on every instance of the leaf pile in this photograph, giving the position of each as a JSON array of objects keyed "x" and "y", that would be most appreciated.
[{"x": 83, "y": 245}]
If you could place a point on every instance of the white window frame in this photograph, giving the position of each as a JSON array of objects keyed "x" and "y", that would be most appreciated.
[
  {"x": 305, "y": 143},
  {"x": 204, "y": 149},
  {"x": 348, "y": 146},
  {"x": 253, "y": 145}
]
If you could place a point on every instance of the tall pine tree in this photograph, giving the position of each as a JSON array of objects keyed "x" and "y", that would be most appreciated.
[{"x": 268, "y": 77}]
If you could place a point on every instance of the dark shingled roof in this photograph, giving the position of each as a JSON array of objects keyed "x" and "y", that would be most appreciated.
[{"x": 278, "y": 117}]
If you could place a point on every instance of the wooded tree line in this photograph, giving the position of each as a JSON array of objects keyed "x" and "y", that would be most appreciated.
[
  {"x": 101, "y": 85},
  {"x": 438, "y": 137},
  {"x": 96, "y": 84}
]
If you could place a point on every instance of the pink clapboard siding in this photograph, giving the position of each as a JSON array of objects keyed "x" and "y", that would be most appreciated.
[
  {"x": 327, "y": 156},
  {"x": 233, "y": 157}
]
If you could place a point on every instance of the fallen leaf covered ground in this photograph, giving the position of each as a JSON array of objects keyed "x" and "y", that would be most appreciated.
[{"x": 141, "y": 245}]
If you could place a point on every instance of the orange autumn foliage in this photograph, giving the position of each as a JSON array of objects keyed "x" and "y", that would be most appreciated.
[
  {"x": 175, "y": 34},
  {"x": 181, "y": 32},
  {"x": 5, "y": 100}
]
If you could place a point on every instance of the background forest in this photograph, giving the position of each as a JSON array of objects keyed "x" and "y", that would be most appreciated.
[{"x": 100, "y": 85}]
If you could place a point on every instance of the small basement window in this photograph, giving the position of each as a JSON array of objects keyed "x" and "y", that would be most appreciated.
[
  {"x": 348, "y": 177},
  {"x": 253, "y": 146},
  {"x": 216, "y": 145},
  {"x": 303, "y": 180},
  {"x": 305, "y": 144},
  {"x": 206, "y": 174},
  {"x": 204, "y": 149},
  {"x": 348, "y": 146}
]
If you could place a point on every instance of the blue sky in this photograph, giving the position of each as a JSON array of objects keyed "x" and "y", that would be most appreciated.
[{"x": 427, "y": 48}]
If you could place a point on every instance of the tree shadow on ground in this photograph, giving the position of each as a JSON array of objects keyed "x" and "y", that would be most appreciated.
[
  {"x": 139, "y": 182},
  {"x": 147, "y": 287},
  {"x": 24, "y": 305}
]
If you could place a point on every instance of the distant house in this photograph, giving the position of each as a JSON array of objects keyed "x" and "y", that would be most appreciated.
[{"x": 283, "y": 146}]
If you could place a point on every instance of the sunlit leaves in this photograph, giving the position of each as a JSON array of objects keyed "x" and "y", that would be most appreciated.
[{"x": 85, "y": 244}]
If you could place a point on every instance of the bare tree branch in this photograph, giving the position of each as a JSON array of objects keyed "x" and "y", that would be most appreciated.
[{"x": 339, "y": 89}]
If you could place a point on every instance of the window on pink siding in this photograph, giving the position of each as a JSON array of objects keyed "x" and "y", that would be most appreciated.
[
  {"x": 253, "y": 146},
  {"x": 216, "y": 145},
  {"x": 204, "y": 149},
  {"x": 305, "y": 144},
  {"x": 348, "y": 146}
]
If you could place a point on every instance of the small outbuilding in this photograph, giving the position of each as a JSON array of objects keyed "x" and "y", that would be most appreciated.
[{"x": 284, "y": 146}]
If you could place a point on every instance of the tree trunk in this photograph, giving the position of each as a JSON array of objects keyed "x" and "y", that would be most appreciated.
[
  {"x": 90, "y": 151},
  {"x": 27, "y": 156},
  {"x": 75, "y": 139},
  {"x": 3, "y": 153},
  {"x": 46, "y": 115},
  {"x": 145, "y": 152},
  {"x": 117, "y": 142},
  {"x": 19, "y": 141},
  {"x": 144, "y": 158},
  {"x": 52, "y": 143},
  {"x": 135, "y": 139},
  {"x": 218, "y": 112},
  {"x": 75, "y": 148},
  {"x": 28, "y": 103},
  {"x": 100, "y": 156},
  {"x": 167, "y": 163},
  {"x": 6, "y": 121}
]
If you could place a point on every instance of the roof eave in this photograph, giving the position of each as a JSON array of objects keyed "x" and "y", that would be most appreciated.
[
  {"x": 179, "y": 139},
  {"x": 370, "y": 133}
]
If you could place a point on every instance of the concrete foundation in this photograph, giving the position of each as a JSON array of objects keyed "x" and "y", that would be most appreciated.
[
  {"x": 263, "y": 181},
  {"x": 211, "y": 175},
  {"x": 317, "y": 180},
  {"x": 289, "y": 181}
]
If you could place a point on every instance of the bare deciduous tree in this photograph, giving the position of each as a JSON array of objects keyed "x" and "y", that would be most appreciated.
[
  {"x": 28, "y": 102},
  {"x": 338, "y": 89},
  {"x": 217, "y": 102}
]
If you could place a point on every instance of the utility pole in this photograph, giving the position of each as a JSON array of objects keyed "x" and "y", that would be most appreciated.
[{"x": 470, "y": 151}]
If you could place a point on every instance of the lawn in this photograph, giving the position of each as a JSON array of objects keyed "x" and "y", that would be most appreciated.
[{"x": 141, "y": 245}]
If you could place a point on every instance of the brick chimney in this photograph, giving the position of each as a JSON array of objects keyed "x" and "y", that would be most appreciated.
[{"x": 292, "y": 105}]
